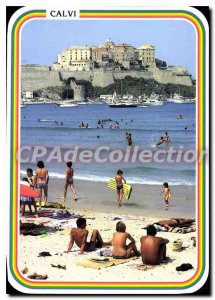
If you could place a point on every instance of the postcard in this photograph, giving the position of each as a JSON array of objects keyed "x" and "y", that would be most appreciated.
[{"x": 108, "y": 142}]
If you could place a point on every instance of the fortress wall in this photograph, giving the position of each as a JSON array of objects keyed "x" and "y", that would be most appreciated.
[
  {"x": 102, "y": 78},
  {"x": 135, "y": 74},
  {"x": 33, "y": 79},
  {"x": 36, "y": 77},
  {"x": 79, "y": 75}
]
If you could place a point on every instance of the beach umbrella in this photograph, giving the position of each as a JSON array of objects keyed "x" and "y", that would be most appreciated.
[{"x": 26, "y": 191}]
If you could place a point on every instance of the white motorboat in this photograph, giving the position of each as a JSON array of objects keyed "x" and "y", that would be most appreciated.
[
  {"x": 116, "y": 103},
  {"x": 67, "y": 103},
  {"x": 154, "y": 99},
  {"x": 177, "y": 98},
  {"x": 23, "y": 105},
  {"x": 180, "y": 99}
]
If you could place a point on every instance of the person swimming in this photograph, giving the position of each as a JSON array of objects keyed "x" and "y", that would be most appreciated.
[{"x": 160, "y": 142}]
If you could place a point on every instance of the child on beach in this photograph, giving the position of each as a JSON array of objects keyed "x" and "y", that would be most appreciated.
[
  {"x": 31, "y": 181},
  {"x": 79, "y": 236},
  {"x": 25, "y": 200},
  {"x": 120, "y": 249},
  {"x": 167, "y": 194},
  {"x": 119, "y": 186}
]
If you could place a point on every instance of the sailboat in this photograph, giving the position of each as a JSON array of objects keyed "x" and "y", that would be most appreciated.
[
  {"x": 67, "y": 103},
  {"x": 118, "y": 103}
]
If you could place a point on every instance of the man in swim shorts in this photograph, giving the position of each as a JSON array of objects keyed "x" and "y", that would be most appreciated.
[
  {"x": 119, "y": 186},
  {"x": 69, "y": 181},
  {"x": 79, "y": 236}
]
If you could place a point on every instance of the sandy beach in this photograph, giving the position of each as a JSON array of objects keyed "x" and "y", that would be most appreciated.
[
  {"x": 104, "y": 218},
  {"x": 145, "y": 200}
]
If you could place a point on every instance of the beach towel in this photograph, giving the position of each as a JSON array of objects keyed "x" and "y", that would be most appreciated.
[
  {"x": 63, "y": 216},
  {"x": 97, "y": 265},
  {"x": 51, "y": 205}
]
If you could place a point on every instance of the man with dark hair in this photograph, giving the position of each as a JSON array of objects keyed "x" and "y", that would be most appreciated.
[
  {"x": 119, "y": 186},
  {"x": 153, "y": 249},
  {"x": 41, "y": 181},
  {"x": 79, "y": 236},
  {"x": 69, "y": 180}
]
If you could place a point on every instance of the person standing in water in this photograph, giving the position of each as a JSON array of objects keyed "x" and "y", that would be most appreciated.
[
  {"x": 119, "y": 186},
  {"x": 166, "y": 137},
  {"x": 41, "y": 181},
  {"x": 129, "y": 139},
  {"x": 69, "y": 181}
]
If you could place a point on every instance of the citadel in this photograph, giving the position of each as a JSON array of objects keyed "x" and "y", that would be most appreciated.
[{"x": 102, "y": 65}]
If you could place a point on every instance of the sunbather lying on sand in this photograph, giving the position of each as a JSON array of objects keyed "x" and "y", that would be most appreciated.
[
  {"x": 79, "y": 236},
  {"x": 174, "y": 222}
]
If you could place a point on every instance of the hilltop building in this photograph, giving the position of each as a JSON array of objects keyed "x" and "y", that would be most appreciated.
[{"x": 108, "y": 55}]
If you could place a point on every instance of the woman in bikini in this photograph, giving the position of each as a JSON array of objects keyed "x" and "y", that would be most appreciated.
[{"x": 41, "y": 181}]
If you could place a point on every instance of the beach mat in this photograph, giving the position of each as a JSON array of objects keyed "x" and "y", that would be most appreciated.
[
  {"x": 99, "y": 265},
  {"x": 127, "y": 189}
]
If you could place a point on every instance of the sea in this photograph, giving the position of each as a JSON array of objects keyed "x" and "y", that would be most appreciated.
[{"x": 56, "y": 129}]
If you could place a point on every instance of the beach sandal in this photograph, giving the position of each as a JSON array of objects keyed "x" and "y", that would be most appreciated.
[
  {"x": 75, "y": 199},
  {"x": 44, "y": 253},
  {"x": 59, "y": 267},
  {"x": 145, "y": 267},
  {"x": 37, "y": 276},
  {"x": 184, "y": 267}
]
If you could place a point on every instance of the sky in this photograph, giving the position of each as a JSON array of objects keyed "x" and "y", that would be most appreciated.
[{"x": 175, "y": 40}]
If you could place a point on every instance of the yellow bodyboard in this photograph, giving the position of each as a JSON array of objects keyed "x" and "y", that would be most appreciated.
[{"x": 127, "y": 189}]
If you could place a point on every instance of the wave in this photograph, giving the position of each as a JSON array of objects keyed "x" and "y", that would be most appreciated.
[
  {"x": 130, "y": 180},
  {"x": 67, "y": 127}
]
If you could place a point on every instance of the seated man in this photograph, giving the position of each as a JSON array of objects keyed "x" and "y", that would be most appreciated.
[
  {"x": 79, "y": 236},
  {"x": 153, "y": 249},
  {"x": 120, "y": 249}
]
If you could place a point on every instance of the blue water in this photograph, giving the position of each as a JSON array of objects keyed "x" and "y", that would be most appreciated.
[{"x": 145, "y": 124}]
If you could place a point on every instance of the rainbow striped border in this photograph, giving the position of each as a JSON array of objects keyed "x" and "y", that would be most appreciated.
[{"x": 14, "y": 272}]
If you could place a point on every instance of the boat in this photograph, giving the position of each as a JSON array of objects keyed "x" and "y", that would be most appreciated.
[
  {"x": 154, "y": 99},
  {"x": 67, "y": 103},
  {"x": 23, "y": 105},
  {"x": 117, "y": 103},
  {"x": 177, "y": 98},
  {"x": 180, "y": 99}
]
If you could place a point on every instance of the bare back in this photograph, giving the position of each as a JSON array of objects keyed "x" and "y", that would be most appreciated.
[
  {"x": 42, "y": 175},
  {"x": 119, "y": 243},
  {"x": 78, "y": 235},
  {"x": 150, "y": 247},
  {"x": 69, "y": 174}
]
